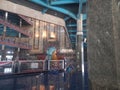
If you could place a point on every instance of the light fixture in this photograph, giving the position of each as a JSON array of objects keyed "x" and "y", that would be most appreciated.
[
  {"x": 52, "y": 35},
  {"x": 36, "y": 35},
  {"x": 44, "y": 34},
  {"x": 37, "y": 23}
]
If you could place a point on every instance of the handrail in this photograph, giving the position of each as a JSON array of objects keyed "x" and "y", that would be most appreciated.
[{"x": 28, "y": 66}]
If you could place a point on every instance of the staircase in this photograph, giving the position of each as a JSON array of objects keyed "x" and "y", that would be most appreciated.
[{"x": 71, "y": 26}]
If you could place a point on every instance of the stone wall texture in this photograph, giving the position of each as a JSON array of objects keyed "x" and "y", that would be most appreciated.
[{"x": 104, "y": 44}]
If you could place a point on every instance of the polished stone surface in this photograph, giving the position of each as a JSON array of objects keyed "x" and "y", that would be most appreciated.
[
  {"x": 116, "y": 23},
  {"x": 104, "y": 43}
]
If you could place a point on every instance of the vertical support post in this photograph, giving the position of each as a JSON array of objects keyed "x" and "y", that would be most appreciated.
[
  {"x": 46, "y": 81},
  {"x": 83, "y": 65},
  {"x": 46, "y": 76},
  {"x": 80, "y": 48},
  {"x": 79, "y": 41},
  {"x": 4, "y": 35},
  {"x": 48, "y": 64},
  {"x": 19, "y": 36}
]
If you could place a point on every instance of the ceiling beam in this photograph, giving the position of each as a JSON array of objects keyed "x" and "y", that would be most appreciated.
[
  {"x": 73, "y": 42},
  {"x": 79, "y": 9},
  {"x": 62, "y": 10},
  {"x": 72, "y": 31},
  {"x": 74, "y": 25},
  {"x": 72, "y": 35},
  {"x": 66, "y": 18},
  {"x": 71, "y": 25},
  {"x": 62, "y": 2}
]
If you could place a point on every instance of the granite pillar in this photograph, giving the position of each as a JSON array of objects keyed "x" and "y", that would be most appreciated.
[
  {"x": 103, "y": 40},
  {"x": 116, "y": 29}
]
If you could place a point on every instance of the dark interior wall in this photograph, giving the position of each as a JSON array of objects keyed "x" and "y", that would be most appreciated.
[{"x": 103, "y": 44}]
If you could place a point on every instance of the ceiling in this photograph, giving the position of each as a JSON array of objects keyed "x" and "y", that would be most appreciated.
[{"x": 69, "y": 10}]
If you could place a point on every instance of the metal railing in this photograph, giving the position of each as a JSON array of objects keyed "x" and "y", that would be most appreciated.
[
  {"x": 31, "y": 66},
  {"x": 28, "y": 66},
  {"x": 6, "y": 67},
  {"x": 55, "y": 64}
]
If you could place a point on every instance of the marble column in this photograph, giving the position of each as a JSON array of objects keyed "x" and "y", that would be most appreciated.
[{"x": 103, "y": 40}]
